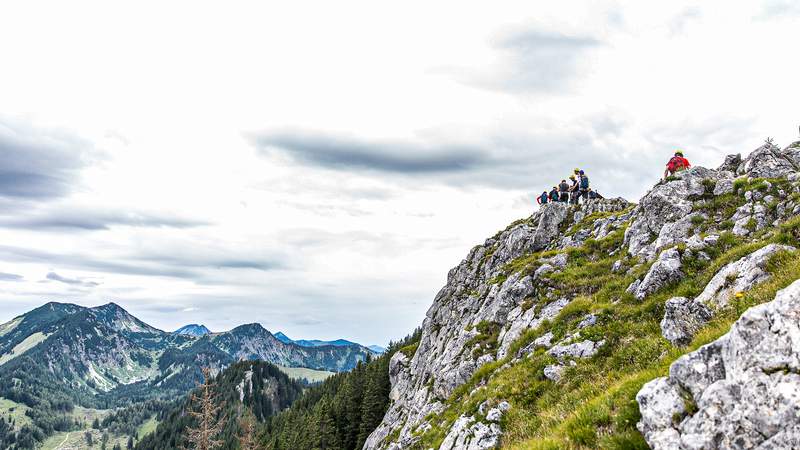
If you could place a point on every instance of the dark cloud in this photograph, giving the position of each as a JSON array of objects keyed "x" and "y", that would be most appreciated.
[
  {"x": 72, "y": 281},
  {"x": 85, "y": 219},
  {"x": 343, "y": 152},
  {"x": 10, "y": 277},
  {"x": 38, "y": 163},
  {"x": 177, "y": 264},
  {"x": 622, "y": 158}
]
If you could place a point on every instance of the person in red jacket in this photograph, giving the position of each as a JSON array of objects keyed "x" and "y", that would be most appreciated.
[{"x": 676, "y": 164}]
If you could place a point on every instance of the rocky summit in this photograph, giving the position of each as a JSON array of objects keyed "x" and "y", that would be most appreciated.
[{"x": 668, "y": 324}]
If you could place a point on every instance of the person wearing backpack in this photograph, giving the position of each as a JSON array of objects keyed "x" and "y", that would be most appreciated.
[
  {"x": 563, "y": 190},
  {"x": 554, "y": 195},
  {"x": 542, "y": 199},
  {"x": 594, "y": 195},
  {"x": 584, "y": 186},
  {"x": 574, "y": 190},
  {"x": 676, "y": 164}
]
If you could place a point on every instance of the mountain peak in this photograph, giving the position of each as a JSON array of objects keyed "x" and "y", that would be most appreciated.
[
  {"x": 283, "y": 338},
  {"x": 250, "y": 328},
  {"x": 193, "y": 329}
]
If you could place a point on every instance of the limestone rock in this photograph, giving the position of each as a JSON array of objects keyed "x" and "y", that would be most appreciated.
[
  {"x": 731, "y": 163},
  {"x": 553, "y": 372},
  {"x": 739, "y": 276},
  {"x": 666, "y": 203},
  {"x": 723, "y": 186},
  {"x": 769, "y": 161},
  {"x": 663, "y": 272},
  {"x": 682, "y": 318},
  {"x": 552, "y": 215},
  {"x": 745, "y": 385},
  {"x": 583, "y": 349},
  {"x": 466, "y": 434}
]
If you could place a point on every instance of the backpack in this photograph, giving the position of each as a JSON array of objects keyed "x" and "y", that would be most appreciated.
[
  {"x": 677, "y": 163},
  {"x": 543, "y": 199},
  {"x": 585, "y": 182}
]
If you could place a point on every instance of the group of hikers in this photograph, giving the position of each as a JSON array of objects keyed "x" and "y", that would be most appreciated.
[
  {"x": 570, "y": 192},
  {"x": 578, "y": 186}
]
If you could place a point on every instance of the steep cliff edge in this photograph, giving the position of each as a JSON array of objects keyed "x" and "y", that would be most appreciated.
[{"x": 544, "y": 334}]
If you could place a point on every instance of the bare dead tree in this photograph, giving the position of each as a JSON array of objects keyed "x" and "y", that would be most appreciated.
[
  {"x": 247, "y": 438},
  {"x": 204, "y": 408}
]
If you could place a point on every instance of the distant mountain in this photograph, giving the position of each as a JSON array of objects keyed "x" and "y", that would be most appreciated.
[
  {"x": 317, "y": 343},
  {"x": 104, "y": 357},
  {"x": 282, "y": 337},
  {"x": 377, "y": 349},
  {"x": 193, "y": 330}
]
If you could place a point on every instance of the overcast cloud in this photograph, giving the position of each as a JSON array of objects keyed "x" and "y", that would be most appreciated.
[{"x": 319, "y": 167}]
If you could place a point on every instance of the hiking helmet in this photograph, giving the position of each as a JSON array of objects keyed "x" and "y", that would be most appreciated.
[
  {"x": 679, "y": 153},
  {"x": 572, "y": 177},
  {"x": 581, "y": 172},
  {"x": 577, "y": 170}
]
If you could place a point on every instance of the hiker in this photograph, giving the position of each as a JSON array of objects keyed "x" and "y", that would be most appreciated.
[
  {"x": 542, "y": 199},
  {"x": 594, "y": 195},
  {"x": 573, "y": 190},
  {"x": 676, "y": 164},
  {"x": 584, "y": 186},
  {"x": 563, "y": 190},
  {"x": 554, "y": 195}
]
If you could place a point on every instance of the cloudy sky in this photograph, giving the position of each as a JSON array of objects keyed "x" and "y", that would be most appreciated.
[{"x": 319, "y": 166}]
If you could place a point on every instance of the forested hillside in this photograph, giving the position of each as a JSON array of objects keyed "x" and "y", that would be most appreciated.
[{"x": 247, "y": 387}]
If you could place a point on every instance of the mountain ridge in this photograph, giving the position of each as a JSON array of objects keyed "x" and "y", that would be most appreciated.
[{"x": 544, "y": 335}]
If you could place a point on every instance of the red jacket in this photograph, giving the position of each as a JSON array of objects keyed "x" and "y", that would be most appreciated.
[{"x": 678, "y": 163}]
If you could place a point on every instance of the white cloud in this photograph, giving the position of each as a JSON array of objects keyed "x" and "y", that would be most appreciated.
[{"x": 390, "y": 141}]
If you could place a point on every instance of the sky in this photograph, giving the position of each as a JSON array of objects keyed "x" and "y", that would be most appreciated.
[{"x": 318, "y": 167}]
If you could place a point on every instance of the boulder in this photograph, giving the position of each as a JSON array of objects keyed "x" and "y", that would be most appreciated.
[
  {"x": 553, "y": 372},
  {"x": 744, "y": 387},
  {"x": 723, "y": 186},
  {"x": 466, "y": 434},
  {"x": 552, "y": 214},
  {"x": 682, "y": 319},
  {"x": 666, "y": 270},
  {"x": 731, "y": 163},
  {"x": 739, "y": 276},
  {"x": 583, "y": 349},
  {"x": 768, "y": 161},
  {"x": 666, "y": 203}
]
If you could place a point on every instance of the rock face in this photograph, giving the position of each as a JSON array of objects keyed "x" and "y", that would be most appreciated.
[
  {"x": 485, "y": 307},
  {"x": 745, "y": 387},
  {"x": 477, "y": 302},
  {"x": 666, "y": 203},
  {"x": 769, "y": 161},
  {"x": 739, "y": 276},
  {"x": 663, "y": 272}
]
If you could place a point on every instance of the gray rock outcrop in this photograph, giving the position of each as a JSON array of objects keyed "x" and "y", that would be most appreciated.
[
  {"x": 666, "y": 270},
  {"x": 480, "y": 298},
  {"x": 739, "y": 276},
  {"x": 739, "y": 392},
  {"x": 682, "y": 319}
]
